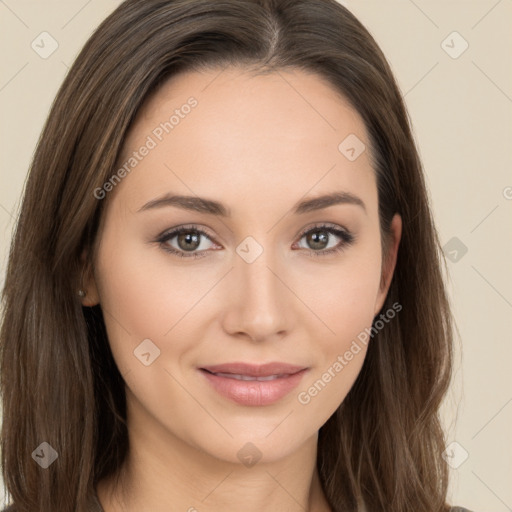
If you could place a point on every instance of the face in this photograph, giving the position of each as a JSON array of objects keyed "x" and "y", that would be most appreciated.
[{"x": 255, "y": 279}]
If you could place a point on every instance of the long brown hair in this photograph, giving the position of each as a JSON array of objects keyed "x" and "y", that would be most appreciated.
[{"x": 59, "y": 381}]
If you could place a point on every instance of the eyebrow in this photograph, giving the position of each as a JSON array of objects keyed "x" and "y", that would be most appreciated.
[{"x": 209, "y": 206}]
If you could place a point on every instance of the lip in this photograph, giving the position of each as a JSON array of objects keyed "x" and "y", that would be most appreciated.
[{"x": 254, "y": 392}]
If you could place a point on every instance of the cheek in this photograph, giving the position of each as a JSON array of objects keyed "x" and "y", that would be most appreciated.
[
  {"x": 344, "y": 295},
  {"x": 147, "y": 293},
  {"x": 344, "y": 300},
  {"x": 140, "y": 300}
]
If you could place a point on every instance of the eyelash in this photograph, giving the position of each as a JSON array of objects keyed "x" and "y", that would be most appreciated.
[{"x": 346, "y": 237}]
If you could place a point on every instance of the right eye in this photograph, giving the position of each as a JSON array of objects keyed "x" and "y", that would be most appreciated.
[{"x": 188, "y": 243}]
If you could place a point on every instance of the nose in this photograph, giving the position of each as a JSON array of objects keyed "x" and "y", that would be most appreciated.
[{"x": 260, "y": 306}]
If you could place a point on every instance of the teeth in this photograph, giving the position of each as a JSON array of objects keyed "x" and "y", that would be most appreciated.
[{"x": 247, "y": 377}]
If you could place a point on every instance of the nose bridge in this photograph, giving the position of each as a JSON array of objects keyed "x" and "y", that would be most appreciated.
[{"x": 260, "y": 303}]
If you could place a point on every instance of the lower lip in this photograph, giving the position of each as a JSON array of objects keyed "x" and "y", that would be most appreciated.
[{"x": 254, "y": 392}]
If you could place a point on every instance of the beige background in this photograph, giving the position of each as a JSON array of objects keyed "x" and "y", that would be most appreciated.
[{"x": 461, "y": 109}]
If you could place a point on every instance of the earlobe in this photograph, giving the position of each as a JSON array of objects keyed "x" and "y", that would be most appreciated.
[
  {"x": 388, "y": 267},
  {"x": 88, "y": 291}
]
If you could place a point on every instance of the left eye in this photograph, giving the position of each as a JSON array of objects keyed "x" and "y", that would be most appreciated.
[
  {"x": 188, "y": 240},
  {"x": 319, "y": 237}
]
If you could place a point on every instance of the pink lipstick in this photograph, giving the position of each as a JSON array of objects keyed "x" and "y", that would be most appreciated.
[{"x": 254, "y": 384}]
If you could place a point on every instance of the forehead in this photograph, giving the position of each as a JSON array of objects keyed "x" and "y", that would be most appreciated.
[
  {"x": 241, "y": 101},
  {"x": 246, "y": 133}
]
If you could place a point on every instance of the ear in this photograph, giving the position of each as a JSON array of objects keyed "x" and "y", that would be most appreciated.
[
  {"x": 88, "y": 284},
  {"x": 389, "y": 262}
]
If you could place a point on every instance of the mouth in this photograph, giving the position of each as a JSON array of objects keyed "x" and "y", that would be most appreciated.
[
  {"x": 254, "y": 385},
  {"x": 247, "y": 377},
  {"x": 254, "y": 370}
]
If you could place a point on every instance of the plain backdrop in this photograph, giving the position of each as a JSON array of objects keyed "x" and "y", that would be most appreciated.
[{"x": 452, "y": 60}]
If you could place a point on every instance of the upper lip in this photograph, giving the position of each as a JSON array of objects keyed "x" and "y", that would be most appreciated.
[{"x": 255, "y": 370}]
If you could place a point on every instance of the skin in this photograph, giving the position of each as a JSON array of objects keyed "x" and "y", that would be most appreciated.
[{"x": 258, "y": 144}]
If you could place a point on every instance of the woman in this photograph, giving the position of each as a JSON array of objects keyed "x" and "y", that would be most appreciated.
[{"x": 224, "y": 289}]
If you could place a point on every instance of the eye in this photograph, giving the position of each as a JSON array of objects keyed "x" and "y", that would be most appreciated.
[
  {"x": 188, "y": 240},
  {"x": 320, "y": 239}
]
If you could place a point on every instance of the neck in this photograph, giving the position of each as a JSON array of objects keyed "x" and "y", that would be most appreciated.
[{"x": 162, "y": 472}]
